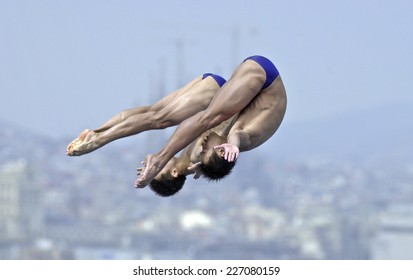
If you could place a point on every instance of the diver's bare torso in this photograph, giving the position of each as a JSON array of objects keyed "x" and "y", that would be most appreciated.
[{"x": 262, "y": 117}]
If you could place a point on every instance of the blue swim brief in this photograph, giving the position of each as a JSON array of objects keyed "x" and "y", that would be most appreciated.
[
  {"x": 269, "y": 68},
  {"x": 220, "y": 81}
]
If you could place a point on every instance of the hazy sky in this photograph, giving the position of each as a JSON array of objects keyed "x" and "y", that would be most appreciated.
[{"x": 67, "y": 65}]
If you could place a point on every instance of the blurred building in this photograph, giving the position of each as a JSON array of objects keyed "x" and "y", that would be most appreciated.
[
  {"x": 394, "y": 239},
  {"x": 20, "y": 211}
]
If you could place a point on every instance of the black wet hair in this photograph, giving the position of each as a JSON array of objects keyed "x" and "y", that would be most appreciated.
[
  {"x": 168, "y": 185},
  {"x": 216, "y": 168}
]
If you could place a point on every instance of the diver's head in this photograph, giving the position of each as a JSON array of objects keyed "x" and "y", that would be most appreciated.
[
  {"x": 213, "y": 164},
  {"x": 169, "y": 181}
]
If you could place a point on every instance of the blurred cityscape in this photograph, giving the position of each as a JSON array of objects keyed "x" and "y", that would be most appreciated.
[{"x": 56, "y": 207}]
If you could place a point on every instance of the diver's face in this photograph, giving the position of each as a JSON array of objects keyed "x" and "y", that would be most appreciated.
[{"x": 209, "y": 147}]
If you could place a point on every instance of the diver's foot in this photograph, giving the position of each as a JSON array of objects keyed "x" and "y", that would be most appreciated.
[
  {"x": 83, "y": 144},
  {"x": 76, "y": 141},
  {"x": 147, "y": 173}
]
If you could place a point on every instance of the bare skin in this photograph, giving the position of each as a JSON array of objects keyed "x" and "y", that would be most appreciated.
[
  {"x": 257, "y": 122},
  {"x": 189, "y": 160},
  {"x": 169, "y": 111},
  {"x": 243, "y": 89}
]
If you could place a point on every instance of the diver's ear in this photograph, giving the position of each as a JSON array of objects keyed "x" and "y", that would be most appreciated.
[
  {"x": 174, "y": 172},
  {"x": 220, "y": 150}
]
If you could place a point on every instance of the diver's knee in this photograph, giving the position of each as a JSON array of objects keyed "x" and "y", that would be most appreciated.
[{"x": 208, "y": 121}]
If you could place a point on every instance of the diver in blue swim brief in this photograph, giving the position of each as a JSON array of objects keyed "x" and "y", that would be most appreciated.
[
  {"x": 255, "y": 94},
  {"x": 269, "y": 68},
  {"x": 169, "y": 111}
]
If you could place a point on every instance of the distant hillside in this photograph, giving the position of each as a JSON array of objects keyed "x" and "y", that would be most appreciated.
[
  {"x": 384, "y": 133},
  {"x": 16, "y": 142}
]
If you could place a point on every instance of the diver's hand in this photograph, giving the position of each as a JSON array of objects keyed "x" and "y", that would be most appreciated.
[{"x": 231, "y": 152}]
